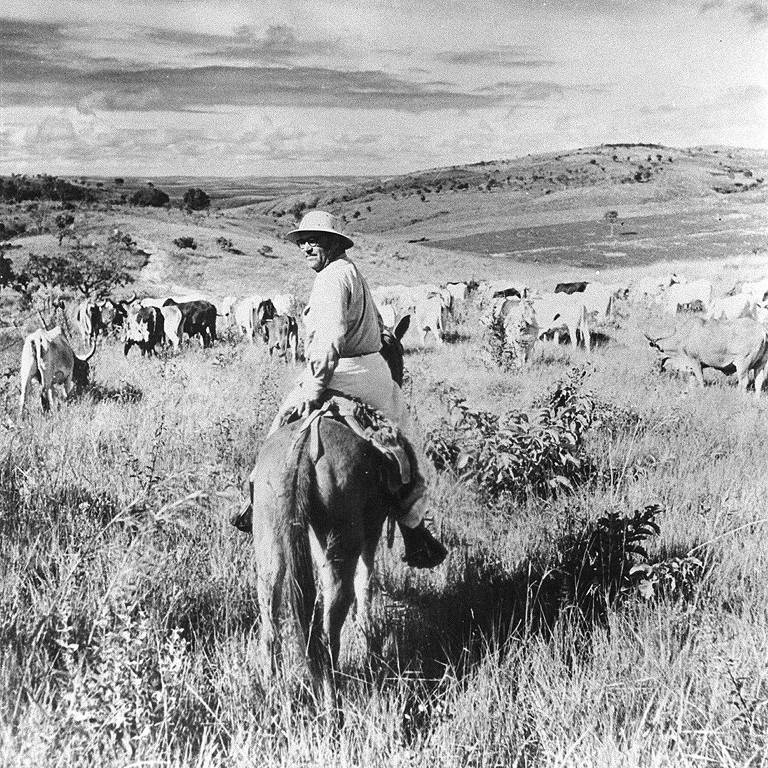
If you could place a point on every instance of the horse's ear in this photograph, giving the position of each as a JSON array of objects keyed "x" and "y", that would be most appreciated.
[{"x": 402, "y": 327}]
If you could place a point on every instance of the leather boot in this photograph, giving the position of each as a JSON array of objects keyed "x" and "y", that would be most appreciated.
[
  {"x": 242, "y": 518},
  {"x": 422, "y": 549}
]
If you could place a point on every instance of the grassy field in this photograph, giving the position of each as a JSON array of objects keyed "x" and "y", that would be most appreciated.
[
  {"x": 129, "y": 624},
  {"x": 128, "y": 619}
]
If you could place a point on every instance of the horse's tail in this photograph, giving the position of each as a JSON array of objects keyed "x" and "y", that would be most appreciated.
[{"x": 294, "y": 514}]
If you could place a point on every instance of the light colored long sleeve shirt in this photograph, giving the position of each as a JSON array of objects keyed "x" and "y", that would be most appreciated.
[{"x": 341, "y": 320}]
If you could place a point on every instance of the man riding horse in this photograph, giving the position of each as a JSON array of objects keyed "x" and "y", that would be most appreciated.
[{"x": 342, "y": 346}]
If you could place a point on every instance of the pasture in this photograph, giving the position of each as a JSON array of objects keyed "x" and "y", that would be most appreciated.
[
  {"x": 128, "y": 615},
  {"x": 129, "y": 623}
]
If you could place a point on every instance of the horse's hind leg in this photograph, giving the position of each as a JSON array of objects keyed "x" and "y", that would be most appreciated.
[
  {"x": 338, "y": 593},
  {"x": 363, "y": 576},
  {"x": 269, "y": 588}
]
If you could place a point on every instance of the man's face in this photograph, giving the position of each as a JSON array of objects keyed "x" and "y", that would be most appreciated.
[{"x": 319, "y": 249}]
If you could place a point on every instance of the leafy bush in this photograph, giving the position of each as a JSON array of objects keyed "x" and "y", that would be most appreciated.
[
  {"x": 674, "y": 577},
  {"x": 120, "y": 238},
  {"x": 196, "y": 199},
  {"x": 512, "y": 456},
  {"x": 501, "y": 352},
  {"x": 185, "y": 242},
  {"x": 226, "y": 245},
  {"x": 123, "y": 683},
  {"x": 11, "y": 229},
  {"x": 150, "y": 196},
  {"x": 593, "y": 570}
]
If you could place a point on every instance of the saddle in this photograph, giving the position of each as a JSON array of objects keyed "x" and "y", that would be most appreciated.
[
  {"x": 369, "y": 424},
  {"x": 366, "y": 422}
]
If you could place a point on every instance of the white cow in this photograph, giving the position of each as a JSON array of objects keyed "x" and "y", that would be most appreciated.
[
  {"x": 151, "y": 301},
  {"x": 286, "y": 304},
  {"x": 224, "y": 308},
  {"x": 731, "y": 307},
  {"x": 598, "y": 299},
  {"x": 431, "y": 315},
  {"x": 388, "y": 316},
  {"x": 48, "y": 357},
  {"x": 756, "y": 289},
  {"x": 555, "y": 311},
  {"x": 245, "y": 313},
  {"x": 459, "y": 292},
  {"x": 172, "y": 322}
]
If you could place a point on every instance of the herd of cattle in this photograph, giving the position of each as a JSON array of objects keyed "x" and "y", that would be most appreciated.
[{"x": 724, "y": 332}]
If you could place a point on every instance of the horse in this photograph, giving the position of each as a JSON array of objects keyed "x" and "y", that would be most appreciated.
[{"x": 325, "y": 515}]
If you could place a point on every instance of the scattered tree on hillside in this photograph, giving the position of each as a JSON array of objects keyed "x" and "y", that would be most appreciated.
[
  {"x": 150, "y": 196},
  {"x": 7, "y": 275},
  {"x": 119, "y": 181},
  {"x": 611, "y": 217},
  {"x": 64, "y": 223},
  {"x": 185, "y": 242},
  {"x": 297, "y": 209},
  {"x": 88, "y": 272},
  {"x": 196, "y": 200},
  {"x": 19, "y": 188}
]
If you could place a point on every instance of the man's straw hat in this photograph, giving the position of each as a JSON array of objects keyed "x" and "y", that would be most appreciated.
[{"x": 319, "y": 221}]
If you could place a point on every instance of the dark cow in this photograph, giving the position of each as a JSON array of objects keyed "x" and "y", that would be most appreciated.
[
  {"x": 571, "y": 287},
  {"x": 115, "y": 313},
  {"x": 281, "y": 333},
  {"x": 264, "y": 313},
  {"x": 198, "y": 318},
  {"x": 146, "y": 330},
  {"x": 506, "y": 293},
  {"x": 89, "y": 320}
]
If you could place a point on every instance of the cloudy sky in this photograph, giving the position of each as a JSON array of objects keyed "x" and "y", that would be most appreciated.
[{"x": 236, "y": 88}]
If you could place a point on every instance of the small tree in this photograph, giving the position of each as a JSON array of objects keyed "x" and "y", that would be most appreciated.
[
  {"x": 611, "y": 217},
  {"x": 150, "y": 196},
  {"x": 196, "y": 200},
  {"x": 7, "y": 275},
  {"x": 64, "y": 223},
  {"x": 87, "y": 272}
]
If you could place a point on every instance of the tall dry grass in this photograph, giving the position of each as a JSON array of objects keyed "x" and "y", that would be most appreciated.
[{"x": 128, "y": 622}]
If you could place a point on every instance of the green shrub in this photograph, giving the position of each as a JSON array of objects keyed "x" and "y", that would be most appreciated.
[
  {"x": 150, "y": 196},
  {"x": 185, "y": 242},
  {"x": 514, "y": 456}
]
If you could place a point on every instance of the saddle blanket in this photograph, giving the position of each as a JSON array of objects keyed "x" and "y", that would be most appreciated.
[{"x": 371, "y": 425}]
